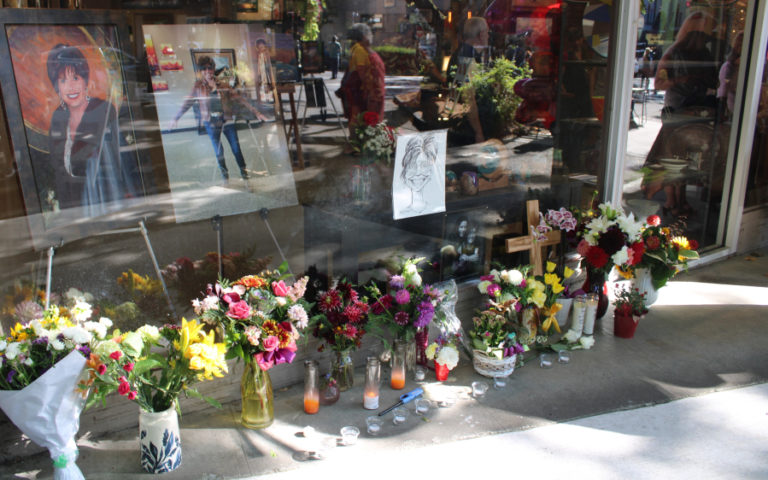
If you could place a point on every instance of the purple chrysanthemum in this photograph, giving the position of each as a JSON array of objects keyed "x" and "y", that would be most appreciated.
[
  {"x": 402, "y": 297},
  {"x": 85, "y": 350},
  {"x": 402, "y": 318}
]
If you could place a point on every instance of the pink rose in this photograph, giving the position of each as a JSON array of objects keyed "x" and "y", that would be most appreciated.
[
  {"x": 240, "y": 310},
  {"x": 263, "y": 361},
  {"x": 271, "y": 343},
  {"x": 132, "y": 395},
  {"x": 128, "y": 366},
  {"x": 280, "y": 289}
]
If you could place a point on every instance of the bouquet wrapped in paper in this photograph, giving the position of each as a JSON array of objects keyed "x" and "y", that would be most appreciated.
[{"x": 40, "y": 388}]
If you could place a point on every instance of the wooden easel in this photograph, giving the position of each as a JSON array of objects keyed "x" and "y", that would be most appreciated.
[{"x": 529, "y": 242}]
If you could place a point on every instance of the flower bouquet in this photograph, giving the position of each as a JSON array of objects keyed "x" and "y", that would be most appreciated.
[
  {"x": 341, "y": 324},
  {"x": 42, "y": 361},
  {"x": 610, "y": 239},
  {"x": 406, "y": 312},
  {"x": 665, "y": 252},
  {"x": 444, "y": 351},
  {"x": 629, "y": 306},
  {"x": 153, "y": 367},
  {"x": 494, "y": 342},
  {"x": 261, "y": 318},
  {"x": 373, "y": 139}
]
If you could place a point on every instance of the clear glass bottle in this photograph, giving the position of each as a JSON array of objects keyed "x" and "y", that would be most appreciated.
[
  {"x": 372, "y": 381},
  {"x": 343, "y": 369},
  {"x": 311, "y": 387},
  {"x": 397, "y": 376}
]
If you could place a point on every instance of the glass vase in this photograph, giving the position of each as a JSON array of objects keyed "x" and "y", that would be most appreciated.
[
  {"x": 409, "y": 349},
  {"x": 529, "y": 325},
  {"x": 421, "y": 339},
  {"x": 343, "y": 369},
  {"x": 258, "y": 409},
  {"x": 361, "y": 183}
]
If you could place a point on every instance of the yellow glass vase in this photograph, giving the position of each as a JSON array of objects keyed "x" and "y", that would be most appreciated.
[{"x": 258, "y": 409}]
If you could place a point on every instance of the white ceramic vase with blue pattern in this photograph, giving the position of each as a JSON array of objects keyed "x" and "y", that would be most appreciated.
[{"x": 159, "y": 440}]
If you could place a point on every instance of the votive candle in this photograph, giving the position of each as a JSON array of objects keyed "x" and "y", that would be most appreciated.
[
  {"x": 579, "y": 309},
  {"x": 590, "y": 314},
  {"x": 311, "y": 387},
  {"x": 372, "y": 380}
]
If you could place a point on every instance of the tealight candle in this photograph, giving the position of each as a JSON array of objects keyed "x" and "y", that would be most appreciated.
[
  {"x": 349, "y": 435},
  {"x": 399, "y": 415},
  {"x": 419, "y": 374},
  {"x": 499, "y": 382},
  {"x": 479, "y": 389},
  {"x": 373, "y": 424},
  {"x": 422, "y": 406},
  {"x": 545, "y": 360},
  {"x": 563, "y": 356}
]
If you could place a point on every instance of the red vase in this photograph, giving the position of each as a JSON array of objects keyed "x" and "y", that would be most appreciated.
[
  {"x": 422, "y": 339},
  {"x": 441, "y": 371},
  {"x": 624, "y": 325},
  {"x": 596, "y": 283}
]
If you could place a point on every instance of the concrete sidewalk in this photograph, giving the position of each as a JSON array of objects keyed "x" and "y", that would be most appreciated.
[{"x": 686, "y": 398}]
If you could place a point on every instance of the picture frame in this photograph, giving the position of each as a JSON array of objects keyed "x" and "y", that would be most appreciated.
[
  {"x": 64, "y": 195},
  {"x": 462, "y": 253},
  {"x": 312, "y": 57},
  {"x": 222, "y": 58}
]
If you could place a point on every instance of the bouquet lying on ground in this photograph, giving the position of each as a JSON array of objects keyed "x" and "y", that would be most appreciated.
[
  {"x": 42, "y": 361},
  {"x": 153, "y": 366},
  {"x": 261, "y": 316}
]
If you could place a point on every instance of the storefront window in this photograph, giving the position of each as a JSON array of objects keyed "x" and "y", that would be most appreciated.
[
  {"x": 757, "y": 181},
  {"x": 217, "y": 138},
  {"x": 686, "y": 80}
]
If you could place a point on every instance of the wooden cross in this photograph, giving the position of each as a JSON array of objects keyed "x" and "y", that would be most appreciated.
[{"x": 529, "y": 242}]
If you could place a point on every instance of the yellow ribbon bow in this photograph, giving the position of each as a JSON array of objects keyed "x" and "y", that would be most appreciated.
[{"x": 551, "y": 321}]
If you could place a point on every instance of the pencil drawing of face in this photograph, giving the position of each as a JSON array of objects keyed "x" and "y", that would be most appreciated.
[{"x": 418, "y": 164}]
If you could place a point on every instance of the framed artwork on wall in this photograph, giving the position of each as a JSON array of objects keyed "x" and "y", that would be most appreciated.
[{"x": 78, "y": 177}]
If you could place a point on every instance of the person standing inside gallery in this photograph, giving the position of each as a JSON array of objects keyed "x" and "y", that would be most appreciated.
[
  {"x": 462, "y": 64},
  {"x": 334, "y": 53},
  {"x": 264, "y": 78},
  {"x": 84, "y": 139},
  {"x": 216, "y": 101},
  {"x": 362, "y": 87}
]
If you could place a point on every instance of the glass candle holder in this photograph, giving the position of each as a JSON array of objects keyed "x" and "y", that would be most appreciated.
[
  {"x": 397, "y": 375},
  {"x": 590, "y": 314},
  {"x": 499, "y": 382},
  {"x": 563, "y": 356},
  {"x": 546, "y": 360},
  {"x": 311, "y": 387},
  {"x": 479, "y": 388},
  {"x": 419, "y": 373},
  {"x": 578, "y": 312},
  {"x": 374, "y": 424},
  {"x": 399, "y": 415},
  {"x": 372, "y": 381},
  {"x": 349, "y": 435},
  {"x": 422, "y": 406}
]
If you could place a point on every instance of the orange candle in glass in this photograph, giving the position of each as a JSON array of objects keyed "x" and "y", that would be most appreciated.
[
  {"x": 311, "y": 387},
  {"x": 311, "y": 405},
  {"x": 397, "y": 381},
  {"x": 397, "y": 378}
]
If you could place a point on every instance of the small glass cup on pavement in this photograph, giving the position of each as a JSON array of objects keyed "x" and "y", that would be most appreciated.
[
  {"x": 374, "y": 424},
  {"x": 479, "y": 388},
  {"x": 399, "y": 415}
]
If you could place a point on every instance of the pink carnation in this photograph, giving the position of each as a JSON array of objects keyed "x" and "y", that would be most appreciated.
[{"x": 280, "y": 289}]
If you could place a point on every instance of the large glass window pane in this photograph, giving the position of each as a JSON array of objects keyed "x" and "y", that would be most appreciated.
[
  {"x": 338, "y": 138},
  {"x": 686, "y": 78}
]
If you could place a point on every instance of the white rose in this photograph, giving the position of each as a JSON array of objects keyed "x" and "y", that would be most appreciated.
[
  {"x": 106, "y": 322},
  {"x": 572, "y": 336},
  {"x": 96, "y": 328},
  {"x": 621, "y": 257},
  {"x": 587, "y": 342}
]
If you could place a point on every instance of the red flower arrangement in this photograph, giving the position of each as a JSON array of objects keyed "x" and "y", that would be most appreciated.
[{"x": 342, "y": 317}]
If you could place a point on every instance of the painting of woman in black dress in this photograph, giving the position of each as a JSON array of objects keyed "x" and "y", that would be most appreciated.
[{"x": 84, "y": 148}]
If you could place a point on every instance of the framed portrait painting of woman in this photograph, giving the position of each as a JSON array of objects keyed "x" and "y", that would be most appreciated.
[{"x": 71, "y": 123}]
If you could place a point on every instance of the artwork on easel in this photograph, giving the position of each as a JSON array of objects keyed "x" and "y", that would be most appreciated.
[
  {"x": 79, "y": 177},
  {"x": 418, "y": 185},
  {"x": 225, "y": 151}
]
